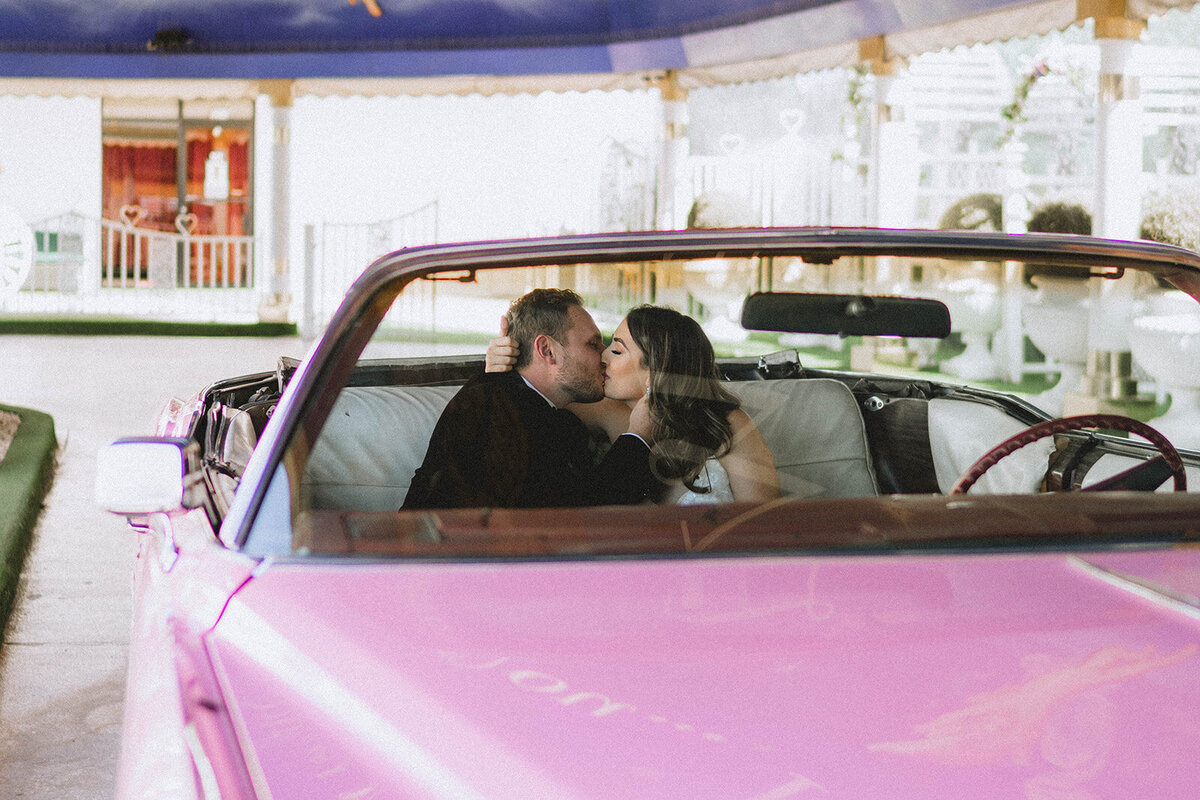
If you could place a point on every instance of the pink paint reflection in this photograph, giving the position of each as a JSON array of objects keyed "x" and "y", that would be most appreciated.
[{"x": 1008, "y": 724}]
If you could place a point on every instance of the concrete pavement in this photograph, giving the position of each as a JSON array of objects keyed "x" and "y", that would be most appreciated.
[
  {"x": 63, "y": 660},
  {"x": 65, "y": 652}
]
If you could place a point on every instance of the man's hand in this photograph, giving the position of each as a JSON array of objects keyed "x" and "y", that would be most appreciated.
[
  {"x": 640, "y": 421},
  {"x": 502, "y": 351}
]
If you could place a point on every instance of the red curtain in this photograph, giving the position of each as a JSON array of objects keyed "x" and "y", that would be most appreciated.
[
  {"x": 239, "y": 167},
  {"x": 144, "y": 175},
  {"x": 144, "y": 163}
]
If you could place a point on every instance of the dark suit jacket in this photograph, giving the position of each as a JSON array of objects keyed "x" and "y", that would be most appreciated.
[{"x": 499, "y": 443}]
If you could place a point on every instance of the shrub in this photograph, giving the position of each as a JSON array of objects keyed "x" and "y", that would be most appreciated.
[
  {"x": 1059, "y": 217},
  {"x": 1172, "y": 217},
  {"x": 975, "y": 212}
]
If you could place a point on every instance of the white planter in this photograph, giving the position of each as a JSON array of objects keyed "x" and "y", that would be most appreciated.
[
  {"x": 1168, "y": 348},
  {"x": 975, "y": 313},
  {"x": 1056, "y": 321}
]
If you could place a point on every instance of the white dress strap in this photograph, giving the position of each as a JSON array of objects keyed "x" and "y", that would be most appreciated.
[{"x": 716, "y": 479}]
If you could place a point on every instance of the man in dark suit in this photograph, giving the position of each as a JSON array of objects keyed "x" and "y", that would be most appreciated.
[{"x": 506, "y": 440}]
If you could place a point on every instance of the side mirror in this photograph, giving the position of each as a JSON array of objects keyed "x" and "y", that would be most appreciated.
[{"x": 142, "y": 476}]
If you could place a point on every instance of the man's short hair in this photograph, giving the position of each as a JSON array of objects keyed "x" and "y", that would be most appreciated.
[{"x": 541, "y": 311}]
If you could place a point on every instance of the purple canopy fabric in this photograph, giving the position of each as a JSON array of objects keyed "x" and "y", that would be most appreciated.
[{"x": 262, "y": 39}]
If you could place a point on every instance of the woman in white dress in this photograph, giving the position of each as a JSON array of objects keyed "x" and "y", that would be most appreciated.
[{"x": 706, "y": 448}]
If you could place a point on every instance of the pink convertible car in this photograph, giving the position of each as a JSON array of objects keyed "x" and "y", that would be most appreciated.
[{"x": 960, "y": 593}]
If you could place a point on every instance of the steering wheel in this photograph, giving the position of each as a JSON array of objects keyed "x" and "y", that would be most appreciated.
[{"x": 1140, "y": 476}]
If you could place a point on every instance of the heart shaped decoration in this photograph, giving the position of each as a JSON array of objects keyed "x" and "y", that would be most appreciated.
[
  {"x": 792, "y": 119},
  {"x": 131, "y": 215},
  {"x": 186, "y": 223},
  {"x": 732, "y": 143}
]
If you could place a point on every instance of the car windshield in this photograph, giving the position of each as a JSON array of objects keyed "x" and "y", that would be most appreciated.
[{"x": 866, "y": 432}]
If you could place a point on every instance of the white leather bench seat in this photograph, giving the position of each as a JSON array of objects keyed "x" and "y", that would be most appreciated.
[
  {"x": 960, "y": 433},
  {"x": 376, "y": 437}
]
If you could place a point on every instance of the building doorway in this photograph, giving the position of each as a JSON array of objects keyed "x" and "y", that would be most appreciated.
[{"x": 178, "y": 167}]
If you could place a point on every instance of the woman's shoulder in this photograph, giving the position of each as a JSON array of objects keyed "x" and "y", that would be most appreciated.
[
  {"x": 739, "y": 419},
  {"x": 748, "y": 440}
]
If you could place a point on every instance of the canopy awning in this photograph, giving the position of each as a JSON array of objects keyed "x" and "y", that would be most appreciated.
[{"x": 486, "y": 46}]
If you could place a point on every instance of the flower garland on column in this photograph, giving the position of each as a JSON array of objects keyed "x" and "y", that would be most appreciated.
[{"x": 1014, "y": 112}]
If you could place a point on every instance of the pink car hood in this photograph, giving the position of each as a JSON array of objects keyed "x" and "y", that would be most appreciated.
[{"x": 1034, "y": 676}]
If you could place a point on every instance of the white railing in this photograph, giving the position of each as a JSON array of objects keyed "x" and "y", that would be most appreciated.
[
  {"x": 58, "y": 255},
  {"x": 99, "y": 267},
  {"x": 795, "y": 182},
  {"x": 948, "y": 177},
  {"x": 133, "y": 257}
]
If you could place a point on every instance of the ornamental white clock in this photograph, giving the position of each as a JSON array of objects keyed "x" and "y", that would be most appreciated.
[{"x": 16, "y": 250}]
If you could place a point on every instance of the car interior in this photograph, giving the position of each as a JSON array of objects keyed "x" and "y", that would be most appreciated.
[
  {"x": 835, "y": 433},
  {"x": 814, "y": 426}
]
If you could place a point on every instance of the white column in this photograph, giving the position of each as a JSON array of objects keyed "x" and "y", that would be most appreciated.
[
  {"x": 893, "y": 176},
  {"x": 672, "y": 201},
  {"x": 1118, "y": 209},
  {"x": 277, "y": 300},
  {"x": 1118, "y": 212},
  {"x": 895, "y": 169},
  {"x": 1014, "y": 294}
]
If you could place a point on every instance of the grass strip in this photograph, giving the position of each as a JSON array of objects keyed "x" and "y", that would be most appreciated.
[
  {"x": 25, "y": 475},
  {"x": 101, "y": 326}
]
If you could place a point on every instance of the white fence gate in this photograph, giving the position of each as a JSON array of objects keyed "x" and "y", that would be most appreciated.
[{"x": 337, "y": 253}]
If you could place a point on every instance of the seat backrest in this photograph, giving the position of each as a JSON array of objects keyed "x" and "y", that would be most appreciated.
[
  {"x": 371, "y": 446},
  {"x": 376, "y": 437},
  {"x": 961, "y": 432},
  {"x": 816, "y": 434}
]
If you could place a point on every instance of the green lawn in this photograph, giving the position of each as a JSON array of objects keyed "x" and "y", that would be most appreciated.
[
  {"x": 101, "y": 326},
  {"x": 25, "y": 475}
]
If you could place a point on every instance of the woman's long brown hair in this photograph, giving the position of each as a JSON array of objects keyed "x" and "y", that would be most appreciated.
[{"x": 689, "y": 406}]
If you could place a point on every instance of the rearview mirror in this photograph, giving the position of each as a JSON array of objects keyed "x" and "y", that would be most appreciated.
[
  {"x": 141, "y": 476},
  {"x": 846, "y": 314}
]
